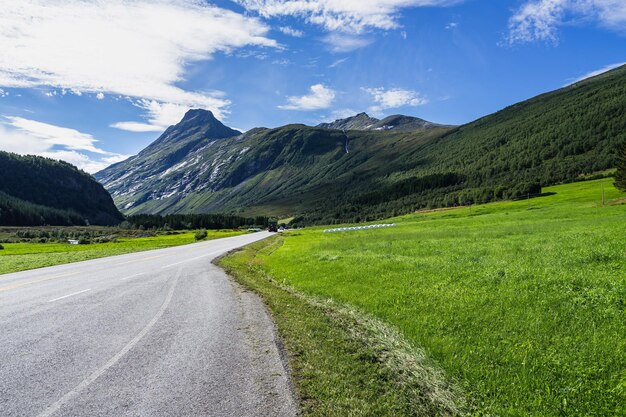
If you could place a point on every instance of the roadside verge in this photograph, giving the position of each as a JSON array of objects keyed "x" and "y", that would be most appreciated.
[{"x": 344, "y": 362}]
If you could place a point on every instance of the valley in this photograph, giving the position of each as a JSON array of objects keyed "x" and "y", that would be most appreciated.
[
  {"x": 301, "y": 208},
  {"x": 299, "y": 171}
]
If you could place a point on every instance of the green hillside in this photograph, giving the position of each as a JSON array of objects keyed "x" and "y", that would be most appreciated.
[
  {"x": 328, "y": 176},
  {"x": 41, "y": 191}
]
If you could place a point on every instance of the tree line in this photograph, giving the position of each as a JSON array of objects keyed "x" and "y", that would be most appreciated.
[{"x": 193, "y": 221}]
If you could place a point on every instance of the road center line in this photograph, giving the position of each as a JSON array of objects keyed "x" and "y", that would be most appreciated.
[
  {"x": 132, "y": 276},
  {"x": 22, "y": 284},
  {"x": 69, "y": 295},
  {"x": 95, "y": 375}
]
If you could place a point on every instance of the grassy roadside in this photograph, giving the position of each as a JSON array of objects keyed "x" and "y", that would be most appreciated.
[
  {"x": 520, "y": 302},
  {"x": 22, "y": 256},
  {"x": 343, "y": 362}
]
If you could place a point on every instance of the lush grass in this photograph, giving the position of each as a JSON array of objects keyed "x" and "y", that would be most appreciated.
[
  {"x": 523, "y": 302},
  {"x": 344, "y": 363},
  {"x": 21, "y": 256}
]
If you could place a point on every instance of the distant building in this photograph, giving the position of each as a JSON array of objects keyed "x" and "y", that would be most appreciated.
[{"x": 72, "y": 242}]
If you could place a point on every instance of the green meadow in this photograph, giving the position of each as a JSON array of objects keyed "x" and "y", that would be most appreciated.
[
  {"x": 21, "y": 256},
  {"x": 522, "y": 304}
]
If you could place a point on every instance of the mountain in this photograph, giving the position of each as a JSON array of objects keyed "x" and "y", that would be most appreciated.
[
  {"x": 396, "y": 122},
  {"x": 327, "y": 175},
  {"x": 360, "y": 121},
  {"x": 37, "y": 191}
]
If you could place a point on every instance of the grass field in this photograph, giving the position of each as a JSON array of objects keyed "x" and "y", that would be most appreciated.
[
  {"x": 21, "y": 256},
  {"x": 523, "y": 304}
]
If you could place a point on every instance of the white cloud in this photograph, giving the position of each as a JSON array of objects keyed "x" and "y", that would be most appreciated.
[
  {"x": 25, "y": 136},
  {"x": 3, "y": 93},
  {"x": 539, "y": 20},
  {"x": 597, "y": 72},
  {"x": 339, "y": 43},
  {"x": 136, "y": 127},
  {"x": 133, "y": 48},
  {"x": 320, "y": 97},
  {"x": 341, "y": 15},
  {"x": 393, "y": 98},
  {"x": 100, "y": 96},
  {"x": 291, "y": 31},
  {"x": 451, "y": 25}
]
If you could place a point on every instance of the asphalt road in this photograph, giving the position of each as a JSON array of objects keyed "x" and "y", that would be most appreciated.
[{"x": 157, "y": 333}]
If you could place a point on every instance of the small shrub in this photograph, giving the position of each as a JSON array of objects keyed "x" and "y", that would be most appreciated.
[
  {"x": 83, "y": 241},
  {"x": 201, "y": 234},
  {"x": 1, "y": 247}
]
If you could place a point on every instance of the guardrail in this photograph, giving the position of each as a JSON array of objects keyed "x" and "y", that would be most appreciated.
[{"x": 349, "y": 229}]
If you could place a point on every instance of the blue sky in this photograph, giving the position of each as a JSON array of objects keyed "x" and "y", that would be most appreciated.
[{"x": 93, "y": 82}]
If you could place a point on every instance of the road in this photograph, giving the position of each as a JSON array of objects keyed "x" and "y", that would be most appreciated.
[{"x": 156, "y": 333}]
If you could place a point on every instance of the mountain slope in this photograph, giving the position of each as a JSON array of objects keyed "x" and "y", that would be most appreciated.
[
  {"x": 327, "y": 175},
  {"x": 236, "y": 172},
  {"x": 38, "y": 191}
]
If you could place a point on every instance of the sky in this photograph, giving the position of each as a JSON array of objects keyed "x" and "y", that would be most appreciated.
[{"x": 92, "y": 82}]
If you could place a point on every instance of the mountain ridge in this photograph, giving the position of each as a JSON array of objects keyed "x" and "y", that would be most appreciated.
[
  {"x": 312, "y": 172},
  {"x": 398, "y": 122}
]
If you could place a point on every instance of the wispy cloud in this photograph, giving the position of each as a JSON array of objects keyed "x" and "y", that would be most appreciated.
[
  {"x": 159, "y": 116},
  {"x": 138, "y": 49},
  {"x": 353, "y": 16},
  {"x": 136, "y": 127},
  {"x": 539, "y": 20},
  {"x": 338, "y": 62},
  {"x": 26, "y": 136},
  {"x": 320, "y": 97},
  {"x": 596, "y": 72},
  {"x": 393, "y": 98},
  {"x": 339, "y": 43}
]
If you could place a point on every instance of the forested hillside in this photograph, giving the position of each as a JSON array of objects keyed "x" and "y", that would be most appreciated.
[
  {"x": 326, "y": 175},
  {"x": 40, "y": 191}
]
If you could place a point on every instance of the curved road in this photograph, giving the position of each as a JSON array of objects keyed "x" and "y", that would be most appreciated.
[{"x": 157, "y": 333}]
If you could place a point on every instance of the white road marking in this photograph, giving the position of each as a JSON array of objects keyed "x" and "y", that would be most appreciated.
[
  {"x": 189, "y": 260},
  {"x": 69, "y": 295},
  {"x": 132, "y": 276},
  {"x": 95, "y": 375}
]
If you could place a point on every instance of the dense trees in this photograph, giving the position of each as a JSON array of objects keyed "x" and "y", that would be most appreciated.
[
  {"x": 38, "y": 191},
  {"x": 16, "y": 212},
  {"x": 193, "y": 221},
  {"x": 620, "y": 176}
]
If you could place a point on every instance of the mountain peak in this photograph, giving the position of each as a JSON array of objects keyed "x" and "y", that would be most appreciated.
[
  {"x": 362, "y": 121},
  {"x": 200, "y": 121},
  {"x": 191, "y": 113},
  {"x": 197, "y": 125}
]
